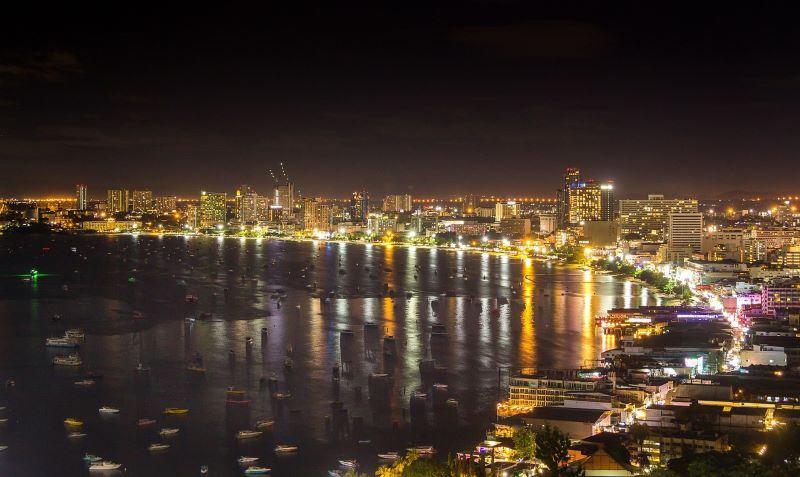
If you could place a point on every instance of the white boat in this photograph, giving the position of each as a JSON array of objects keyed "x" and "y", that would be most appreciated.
[
  {"x": 75, "y": 334},
  {"x": 256, "y": 470},
  {"x": 142, "y": 368},
  {"x": 351, "y": 463},
  {"x": 85, "y": 382},
  {"x": 389, "y": 456},
  {"x": 423, "y": 450},
  {"x": 157, "y": 447},
  {"x": 71, "y": 360},
  {"x": 284, "y": 449},
  {"x": 60, "y": 343},
  {"x": 92, "y": 458},
  {"x": 76, "y": 435},
  {"x": 189, "y": 319},
  {"x": 3, "y": 420},
  {"x": 108, "y": 410},
  {"x": 244, "y": 460},
  {"x": 105, "y": 465},
  {"x": 248, "y": 434},
  {"x": 169, "y": 431},
  {"x": 2, "y": 448},
  {"x": 335, "y": 473},
  {"x": 283, "y": 395}
]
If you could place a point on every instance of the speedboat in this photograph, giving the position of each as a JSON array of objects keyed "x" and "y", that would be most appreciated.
[
  {"x": 105, "y": 465},
  {"x": 351, "y": 463},
  {"x": 92, "y": 458},
  {"x": 71, "y": 421},
  {"x": 108, "y": 410},
  {"x": 248, "y": 434},
  {"x": 60, "y": 343},
  {"x": 145, "y": 422},
  {"x": 155, "y": 447},
  {"x": 71, "y": 360},
  {"x": 175, "y": 410},
  {"x": 76, "y": 435},
  {"x": 244, "y": 460},
  {"x": 256, "y": 470},
  {"x": 389, "y": 456},
  {"x": 284, "y": 449},
  {"x": 168, "y": 431},
  {"x": 264, "y": 424}
]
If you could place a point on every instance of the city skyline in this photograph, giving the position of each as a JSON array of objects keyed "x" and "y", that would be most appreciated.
[{"x": 399, "y": 102}]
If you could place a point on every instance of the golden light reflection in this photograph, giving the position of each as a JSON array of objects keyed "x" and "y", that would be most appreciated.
[
  {"x": 527, "y": 337},
  {"x": 388, "y": 316},
  {"x": 587, "y": 323}
]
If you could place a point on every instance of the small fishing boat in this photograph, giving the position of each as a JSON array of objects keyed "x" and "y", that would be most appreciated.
[
  {"x": 91, "y": 458},
  {"x": 157, "y": 447},
  {"x": 191, "y": 298},
  {"x": 351, "y": 463},
  {"x": 108, "y": 410},
  {"x": 189, "y": 320},
  {"x": 203, "y": 470},
  {"x": 168, "y": 431},
  {"x": 145, "y": 422},
  {"x": 284, "y": 449},
  {"x": 76, "y": 435},
  {"x": 335, "y": 473},
  {"x": 423, "y": 450},
  {"x": 244, "y": 460},
  {"x": 75, "y": 334},
  {"x": 85, "y": 382},
  {"x": 233, "y": 391},
  {"x": 71, "y": 421},
  {"x": 142, "y": 368},
  {"x": 264, "y": 424},
  {"x": 255, "y": 470},
  {"x": 176, "y": 410},
  {"x": 2, "y": 448},
  {"x": 104, "y": 465},
  {"x": 389, "y": 456},
  {"x": 195, "y": 369},
  {"x": 60, "y": 343},
  {"x": 238, "y": 402},
  {"x": 364, "y": 442},
  {"x": 283, "y": 395},
  {"x": 247, "y": 434},
  {"x": 71, "y": 360}
]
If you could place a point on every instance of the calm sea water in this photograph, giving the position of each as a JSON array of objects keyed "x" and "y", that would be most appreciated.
[{"x": 128, "y": 294}]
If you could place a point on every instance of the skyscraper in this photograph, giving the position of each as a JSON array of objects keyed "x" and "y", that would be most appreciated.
[
  {"x": 571, "y": 175},
  {"x": 505, "y": 210},
  {"x": 284, "y": 198},
  {"x": 212, "y": 209},
  {"x": 607, "y": 203},
  {"x": 585, "y": 202},
  {"x": 246, "y": 207},
  {"x": 470, "y": 204},
  {"x": 166, "y": 204},
  {"x": 142, "y": 201},
  {"x": 359, "y": 207},
  {"x": 117, "y": 200},
  {"x": 80, "y": 196}
]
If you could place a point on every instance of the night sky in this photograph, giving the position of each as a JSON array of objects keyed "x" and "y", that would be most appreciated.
[{"x": 469, "y": 97}]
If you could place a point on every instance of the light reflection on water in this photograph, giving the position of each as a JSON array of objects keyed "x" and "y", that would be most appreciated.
[{"x": 549, "y": 323}]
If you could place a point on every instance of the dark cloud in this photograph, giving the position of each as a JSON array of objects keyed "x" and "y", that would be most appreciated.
[{"x": 50, "y": 67}]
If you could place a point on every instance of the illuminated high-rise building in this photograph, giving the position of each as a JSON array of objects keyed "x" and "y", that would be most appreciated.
[
  {"x": 571, "y": 175},
  {"x": 359, "y": 207},
  {"x": 246, "y": 207},
  {"x": 284, "y": 198},
  {"x": 397, "y": 203},
  {"x": 166, "y": 204},
  {"x": 506, "y": 210},
  {"x": 585, "y": 202},
  {"x": 212, "y": 209},
  {"x": 315, "y": 216},
  {"x": 80, "y": 197},
  {"x": 649, "y": 217},
  {"x": 607, "y": 202},
  {"x": 117, "y": 200},
  {"x": 686, "y": 231},
  {"x": 142, "y": 201}
]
